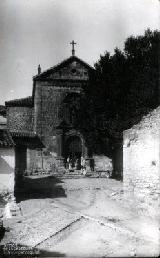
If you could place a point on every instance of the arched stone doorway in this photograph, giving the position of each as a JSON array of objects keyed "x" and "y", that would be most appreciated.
[
  {"x": 73, "y": 147},
  {"x": 73, "y": 151}
]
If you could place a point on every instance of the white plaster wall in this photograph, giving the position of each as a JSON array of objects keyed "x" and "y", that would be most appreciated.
[
  {"x": 7, "y": 165},
  {"x": 141, "y": 160}
]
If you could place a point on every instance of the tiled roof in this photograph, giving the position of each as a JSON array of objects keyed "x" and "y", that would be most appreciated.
[
  {"x": 6, "y": 138},
  {"x": 23, "y": 134},
  {"x": 24, "y": 102},
  {"x": 30, "y": 139}
]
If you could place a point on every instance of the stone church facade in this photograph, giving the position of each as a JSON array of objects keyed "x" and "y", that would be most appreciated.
[{"x": 42, "y": 125}]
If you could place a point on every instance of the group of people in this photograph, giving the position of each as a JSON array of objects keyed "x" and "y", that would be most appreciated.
[{"x": 76, "y": 164}]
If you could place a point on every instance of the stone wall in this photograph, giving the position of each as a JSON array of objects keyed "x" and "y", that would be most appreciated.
[
  {"x": 36, "y": 160},
  {"x": 48, "y": 115},
  {"x": 20, "y": 118},
  {"x": 141, "y": 161}
]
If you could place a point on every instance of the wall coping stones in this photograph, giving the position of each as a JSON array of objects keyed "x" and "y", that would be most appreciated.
[{"x": 23, "y": 102}]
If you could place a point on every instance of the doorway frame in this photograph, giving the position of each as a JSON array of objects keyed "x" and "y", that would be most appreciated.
[{"x": 78, "y": 134}]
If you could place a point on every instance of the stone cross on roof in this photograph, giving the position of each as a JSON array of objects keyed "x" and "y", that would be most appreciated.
[{"x": 73, "y": 50}]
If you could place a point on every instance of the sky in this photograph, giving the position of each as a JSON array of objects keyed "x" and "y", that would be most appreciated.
[{"x": 36, "y": 32}]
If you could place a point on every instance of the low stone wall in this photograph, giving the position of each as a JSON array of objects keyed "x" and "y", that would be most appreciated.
[
  {"x": 102, "y": 163},
  {"x": 141, "y": 162},
  {"x": 37, "y": 160}
]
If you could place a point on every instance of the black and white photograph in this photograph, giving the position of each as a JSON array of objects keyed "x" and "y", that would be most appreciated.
[{"x": 79, "y": 128}]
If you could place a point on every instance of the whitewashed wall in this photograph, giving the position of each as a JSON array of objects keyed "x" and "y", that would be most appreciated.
[
  {"x": 141, "y": 160},
  {"x": 7, "y": 165}
]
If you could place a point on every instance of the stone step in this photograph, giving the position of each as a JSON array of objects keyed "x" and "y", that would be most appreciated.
[
  {"x": 73, "y": 176},
  {"x": 69, "y": 176},
  {"x": 78, "y": 174}
]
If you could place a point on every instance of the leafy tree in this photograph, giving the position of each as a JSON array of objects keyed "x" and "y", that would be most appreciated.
[{"x": 124, "y": 87}]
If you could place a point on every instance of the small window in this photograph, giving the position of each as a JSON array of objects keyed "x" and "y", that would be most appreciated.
[{"x": 73, "y": 71}]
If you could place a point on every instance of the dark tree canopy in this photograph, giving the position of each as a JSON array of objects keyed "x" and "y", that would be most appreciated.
[{"x": 124, "y": 87}]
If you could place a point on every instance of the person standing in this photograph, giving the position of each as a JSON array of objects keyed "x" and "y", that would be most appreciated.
[
  {"x": 70, "y": 164},
  {"x": 83, "y": 167},
  {"x": 67, "y": 163}
]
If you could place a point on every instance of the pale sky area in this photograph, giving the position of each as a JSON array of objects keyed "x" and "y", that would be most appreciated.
[{"x": 36, "y": 32}]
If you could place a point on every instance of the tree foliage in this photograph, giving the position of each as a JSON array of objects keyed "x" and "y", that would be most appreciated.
[{"x": 124, "y": 87}]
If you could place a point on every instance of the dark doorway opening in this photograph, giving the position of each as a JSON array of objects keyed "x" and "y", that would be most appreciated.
[{"x": 73, "y": 151}]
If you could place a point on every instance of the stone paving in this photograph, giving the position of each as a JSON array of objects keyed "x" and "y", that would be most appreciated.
[{"x": 41, "y": 225}]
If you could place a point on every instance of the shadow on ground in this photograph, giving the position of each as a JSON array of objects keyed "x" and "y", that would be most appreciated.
[
  {"x": 39, "y": 188},
  {"x": 13, "y": 250}
]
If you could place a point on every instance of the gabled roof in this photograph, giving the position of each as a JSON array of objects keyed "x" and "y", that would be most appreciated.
[
  {"x": 23, "y": 102},
  {"x": 62, "y": 64},
  {"x": 6, "y": 138}
]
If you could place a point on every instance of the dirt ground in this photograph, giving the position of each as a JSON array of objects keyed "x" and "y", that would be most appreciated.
[{"x": 90, "y": 219}]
